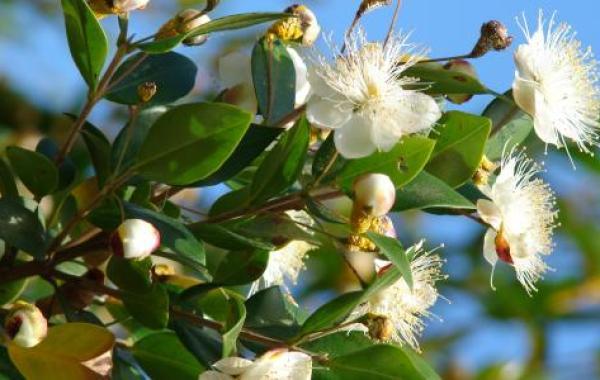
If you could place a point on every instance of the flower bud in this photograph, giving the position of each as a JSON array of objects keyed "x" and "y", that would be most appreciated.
[
  {"x": 374, "y": 194},
  {"x": 304, "y": 28},
  {"x": 146, "y": 91},
  {"x": 494, "y": 36},
  {"x": 184, "y": 22},
  {"x": 463, "y": 67},
  {"x": 135, "y": 239},
  {"x": 25, "y": 324},
  {"x": 107, "y": 7}
]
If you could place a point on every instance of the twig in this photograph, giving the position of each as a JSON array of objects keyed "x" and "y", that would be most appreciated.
[{"x": 392, "y": 23}]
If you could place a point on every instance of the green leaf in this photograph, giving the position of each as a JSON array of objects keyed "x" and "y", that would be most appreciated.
[
  {"x": 150, "y": 308},
  {"x": 401, "y": 164},
  {"x": 21, "y": 228},
  {"x": 129, "y": 141},
  {"x": 61, "y": 354},
  {"x": 130, "y": 275},
  {"x": 511, "y": 126},
  {"x": 241, "y": 267},
  {"x": 393, "y": 250},
  {"x": 66, "y": 170},
  {"x": 36, "y": 171},
  {"x": 98, "y": 148},
  {"x": 222, "y": 237},
  {"x": 271, "y": 312},
  {"x": 234, "y": 323},
  {"x": 461, "y": 139},
  {"x": 438, "y": 80},
  {"x": 173, "y": 234},
  {"x": 224, "y": 23},
  {"x": 254, "y": 142},
  {"x": 339, "y": 343},
  {"x": 10, "y": 291},
  {"x": 8, "y": 187},
  {"x": 233, "y": 200},
  {"x": 191, "y": 141},
  {"x": 201, "y": 343},
  {"x": 428, "y": 191},
  {"x": 325, "y": 153},
  {"x": 162, "y": 356},
  {"x": 274, "y": 78},
  {"x": 377, "y": 362},
  {"x": 87, "y": 41},
  {"x": 332, "y": 313},
  {"x": 174, "y": 75},
  {"x": 283, "y": 164}
]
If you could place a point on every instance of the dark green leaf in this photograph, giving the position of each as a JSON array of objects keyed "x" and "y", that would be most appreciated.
[
  {"x": 254, "y": 142},
  {"x": 274, "y": 78},
  {"x": 204, "y": 346},
  {"x": 224, "y": 23},
  {"x": 234, "y": 322},
  {"x": 8, "y": 187},
  {"x": 36, "y": 171},
  {"x": 241, "y": 267},
  {"x": 332, "y": 313},
  {"x": 461, "y": 139},
  {"x": 21, "y": 228},
  {"x": 221, "y": 237},
  {"x": 150, "y": 308},
  {"x": 401, "y": 164},
  {"x": 87, "y": 40},
  {"x": 191, "y": 141},
  {"x": 234, "y": 200},
  {"x": 393, "y": 250},
  {"x": 428, "y": 191},
  {"x": 66, "y": 170},
  {"x": 438, "y": 80},
  {"x": 128, "y": 142},
  {"x": 130, "y": 275},
  {"x": 325, "y": 153},
  {"x": 10, "y": 291},
  {"x": 272, "y": 313},
  {"x": 283, "y": 164},
  {"x": 162, "y": 356},
  {"x": 173, "y": 74}
]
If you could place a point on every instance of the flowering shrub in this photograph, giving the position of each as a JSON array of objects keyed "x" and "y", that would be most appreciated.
[{"x": 319, "y": 149}]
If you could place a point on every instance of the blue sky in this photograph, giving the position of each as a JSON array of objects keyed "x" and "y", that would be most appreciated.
[{"x": 38, "y": 64}]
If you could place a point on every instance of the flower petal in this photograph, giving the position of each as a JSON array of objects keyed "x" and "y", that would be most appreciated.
[
  {"x": 420, "y": 112},
  {"x": 233, "y": 366},
  {"x": 490, "y": 213},
  {"x": 234, "y": 68},
  {"x": 544, "y": 121},
  {"x": 325, "y": 113},
  {"x": 489, "y": 247},
  {"x": 302, "y": 84},
  {"x": 214, "y": 375},
  {"x": 353, "y": 140}
]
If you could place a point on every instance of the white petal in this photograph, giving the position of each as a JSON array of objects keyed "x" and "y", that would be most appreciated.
[
  {"x": 234, "y": 68},
  {"x": 353, "y": 140},
  {"x": 490, "y": 213},
  {"x": 233, "y": 366},
  {"x": 325, "y": 113},
  {"x": 214, "y": 375},
  {"x": 419, "y": 112},
  {"x": 489, "y": 247},
  {"x": 524, "y": 94},
  {"x": 543, "y": 121},
  {"x": 302, "y": 84},
  {"x": 280, "y": 365},
  {"x": 318, "y": 85}
]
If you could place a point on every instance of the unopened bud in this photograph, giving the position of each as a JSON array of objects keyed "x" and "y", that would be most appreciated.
[
  {"x": 25, "y": 324},
  {"x": 374, "y": 194},
  {"x": 184, "y": 22},
  {"x": 494, "y": 36},
  {"x": 106, "y": 7},
  {"x": 146, "y": 91},
  {"x": 465, "y": 68},
  {"x": 135, "y": 239},
  {"x": 303, "y": 28},
  {"x": 380, "y": 327}
]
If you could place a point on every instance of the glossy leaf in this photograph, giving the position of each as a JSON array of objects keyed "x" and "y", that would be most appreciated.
[
  {"x": 87, "y": 41},
  {"x": 254, "y": 142},
  {"x": 241, "y": 267},
  {"x": 461, "y": 139},
  {"x": 283, "y": 164},
  {"x": 200, "y": 342},
  {"x": 222, "y": 237},
  {"x": 8, "y": 187},
  {"x": 427, "y": 191},
  {"x": 191, "y": 141},
  {"x": 236, "y": 315},
  {"x": 224, "y": 23},
  {"x": 401, "y": 164},
  {"x": 435, "y": 79},
  {"x": 21, "y": 228},
  {"x": 61, "y": 354},
  {"x": 36, "y": 171},
  {"x": 274, "y": 78},
  {"x": 130, "y": 138},
  {"x": 66, "y": 170},
  {"x": 393, "y": 250},
  {"x": 325, "y": 153},
  {"x": 10, "y": 291},
  {"x": 162, "y": 356},
  {"x": 332, "y": 313},
  {"x": 130, "y": 275},
  {"x": 272, "y": 313},
  {"x": 150, "y": 308},
  {"x": 173, "y": 74}
]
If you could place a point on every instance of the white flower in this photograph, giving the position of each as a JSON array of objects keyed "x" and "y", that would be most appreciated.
[
  {"x": 275, "y": 364},
  {"x": 285, "y": 264},
  {"x": 404, "y": 307},
  {"x": 555, "y": 82},
  {"x": 235, "y": 73},
  {"x": 521, "y": 213},
  {"x": 135, "y": 239},
  {"x": 361, "y": 95},
  {"x": 25, "y": 324}
]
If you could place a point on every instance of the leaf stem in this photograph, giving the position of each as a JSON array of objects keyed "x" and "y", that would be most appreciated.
[{"x": 392, "y": 23}]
